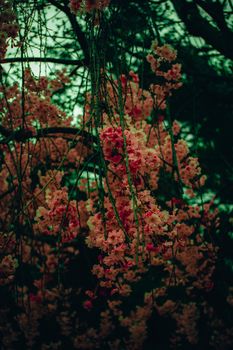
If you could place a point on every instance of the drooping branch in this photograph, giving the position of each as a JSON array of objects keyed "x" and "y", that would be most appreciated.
[{"x": 197, "y": 25}]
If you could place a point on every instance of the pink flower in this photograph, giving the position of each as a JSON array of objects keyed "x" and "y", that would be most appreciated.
[
  {"x": 116, "y": 159},
  {"x": 151, "y": 248},
  {"x": 35, "y": 298},
  {"x": 88, "y": 305}
]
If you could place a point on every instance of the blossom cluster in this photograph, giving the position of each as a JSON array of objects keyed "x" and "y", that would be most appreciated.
[
  {"x": 8, "y": 26},
  {"x": 163, "y": 56},
  {"x": 61, "y": 217},
  {"x": 91, "y": 238},
  {"x": 87, "y": 5}
]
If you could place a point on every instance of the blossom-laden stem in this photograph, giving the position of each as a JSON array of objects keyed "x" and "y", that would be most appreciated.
[
  {"x": 96, "y": 115},
  {"x": 174, "y": 155},
  {"x": 134, "y": 198}
]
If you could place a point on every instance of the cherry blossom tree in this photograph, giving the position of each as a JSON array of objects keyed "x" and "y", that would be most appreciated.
[{"x": 105, "y": 235}]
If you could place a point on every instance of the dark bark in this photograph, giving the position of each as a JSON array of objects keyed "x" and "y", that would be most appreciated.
[
  {"x": 82, "y": 40},
  {"x": 78, "y": 63},
  {"x": 24, "y": 135},
  {"x": 220, "y": 37}
]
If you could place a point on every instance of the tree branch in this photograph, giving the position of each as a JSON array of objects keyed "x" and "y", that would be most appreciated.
[
  {"x": 215, "y": 10},
  {"x": 23, "y": 135},
  {"x": 76, "y": 28},
  {"x": 65, "y": 61},
  {"x": 197, "y": 25}
]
